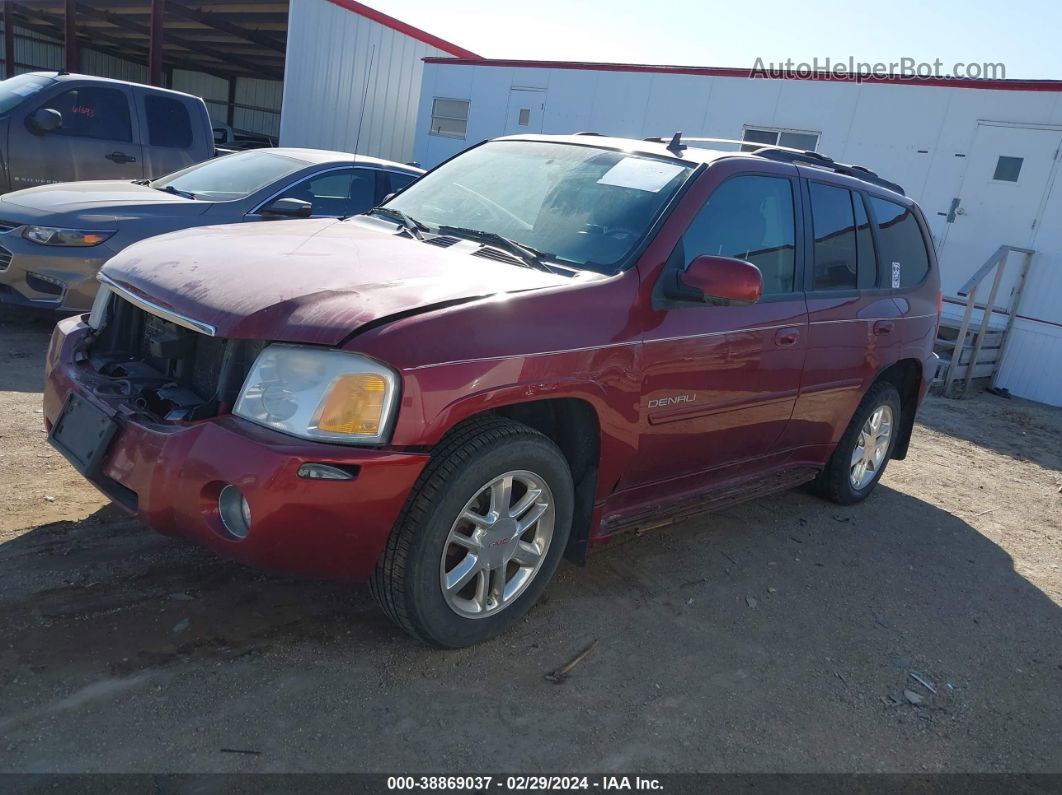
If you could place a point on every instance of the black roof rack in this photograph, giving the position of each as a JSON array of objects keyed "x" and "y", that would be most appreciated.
[
  {"x": 822, "y": 161},
  {"x": 786, "y": 155}
]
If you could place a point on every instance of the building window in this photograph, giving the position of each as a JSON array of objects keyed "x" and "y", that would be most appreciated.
[
  {"x": 1008, "y": 168},
  {"x": 525, "y": 117},
  {"x": 766, "y": 136},
  {"x": 449, "y": 117}
]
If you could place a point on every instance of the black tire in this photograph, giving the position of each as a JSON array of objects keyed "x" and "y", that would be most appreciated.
[
  {"x": 406, "y": 582},
  {"x": 834, "y": 482}
]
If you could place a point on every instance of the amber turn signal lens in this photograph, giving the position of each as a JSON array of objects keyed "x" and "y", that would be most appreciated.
[{"x": 354, "y": 405}]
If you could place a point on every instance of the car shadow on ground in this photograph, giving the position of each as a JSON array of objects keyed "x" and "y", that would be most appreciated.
[{"x": 806, "y": 620}]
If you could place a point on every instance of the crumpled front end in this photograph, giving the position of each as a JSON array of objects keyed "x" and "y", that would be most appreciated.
[{"x": 162, "y": 394}]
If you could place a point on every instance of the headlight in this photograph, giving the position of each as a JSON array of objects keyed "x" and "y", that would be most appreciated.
[
  {"x": 317, "y": 393},
  {"x": 56, "y": 236}
]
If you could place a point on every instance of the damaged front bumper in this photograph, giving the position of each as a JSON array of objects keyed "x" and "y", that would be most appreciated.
[{"x": 171, "y": 474}]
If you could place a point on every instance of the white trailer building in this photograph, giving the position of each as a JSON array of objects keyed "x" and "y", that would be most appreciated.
[
  {"x": 980, "y": 156},
  {"x": 352, "y": 78}
]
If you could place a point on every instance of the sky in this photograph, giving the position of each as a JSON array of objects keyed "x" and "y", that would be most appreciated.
[{"x": 1024, "y": 35}]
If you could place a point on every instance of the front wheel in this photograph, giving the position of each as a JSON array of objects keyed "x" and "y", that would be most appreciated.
[
  {"x": 480, "y": 537},
  {"x": 859, "y": 460}
]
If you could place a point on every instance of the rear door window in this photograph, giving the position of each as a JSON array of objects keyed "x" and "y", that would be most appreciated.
[
  {"x": 903, "y": 249},
  {"x": 93, "y": 112},
  {"x": 836, "y": 261},
  {"x": 168, "y": 122}
]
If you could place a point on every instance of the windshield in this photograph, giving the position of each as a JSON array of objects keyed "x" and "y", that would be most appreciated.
[
  {"x": 16, "y": 89},
  {"x": 581, "y": 205},
  {"x": 231, "y": 177}
]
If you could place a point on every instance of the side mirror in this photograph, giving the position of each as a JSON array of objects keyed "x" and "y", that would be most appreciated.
[
  {"x": 288, "y": 208},
  {"x": 45, "y": 120},
  {"x": 723, "y": 281}
]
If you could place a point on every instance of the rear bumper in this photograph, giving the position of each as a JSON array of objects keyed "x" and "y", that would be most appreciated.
[{"x": 170, "y": 476}]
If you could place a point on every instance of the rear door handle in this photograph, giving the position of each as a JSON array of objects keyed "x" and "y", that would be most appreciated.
[
  {"x": 120, "y": 157},
  {"x": 884, "y": 327},
  {"x": 785, "y": 337}
]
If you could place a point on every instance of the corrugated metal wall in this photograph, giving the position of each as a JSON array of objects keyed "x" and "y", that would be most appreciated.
[
  {"x": 327, "y": 75},
  {"x": 213, "y": 90},
  {"x": 261, "y": 97}
]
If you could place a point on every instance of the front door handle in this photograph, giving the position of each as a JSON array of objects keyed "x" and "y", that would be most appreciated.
[
  {"x": 120, "y": 157},
  {"x": 883, "y": 327},
  {"x": 785, "y": 337}
]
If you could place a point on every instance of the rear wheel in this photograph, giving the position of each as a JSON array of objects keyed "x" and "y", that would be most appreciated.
[
  {"x": 480, "y": 537},
  {"x": 859, "y": 460}
]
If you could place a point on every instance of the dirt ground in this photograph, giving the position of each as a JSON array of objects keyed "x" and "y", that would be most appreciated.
[{"x": 780, "y": 635}]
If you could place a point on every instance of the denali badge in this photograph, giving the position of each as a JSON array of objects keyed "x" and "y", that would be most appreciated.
[{"x": 670, "y": 401}]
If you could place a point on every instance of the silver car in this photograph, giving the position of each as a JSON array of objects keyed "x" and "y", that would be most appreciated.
[{"x": 54, "y": 238}]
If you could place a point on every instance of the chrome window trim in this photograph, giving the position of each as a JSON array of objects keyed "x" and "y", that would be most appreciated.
[
  {"x": 159, "y": 311},
  {"x": 367, "y": 166}
]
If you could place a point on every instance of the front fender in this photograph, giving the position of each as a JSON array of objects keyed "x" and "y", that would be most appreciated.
[{"x": 436, "y": 398}]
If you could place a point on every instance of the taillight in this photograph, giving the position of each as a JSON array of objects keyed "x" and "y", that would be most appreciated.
[{"x": 940, "y": 311}]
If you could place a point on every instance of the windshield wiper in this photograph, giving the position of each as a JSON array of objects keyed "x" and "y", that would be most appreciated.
[
  {"x": 182, "y": 193},
  {"x": 527, "y": 254},
  {"x": 411, "y": 225}
]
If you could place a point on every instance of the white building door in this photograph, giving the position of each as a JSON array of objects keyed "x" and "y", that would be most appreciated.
[
  {"x": 1001, "y": 201},
  {"x": 525, "y": 111}
]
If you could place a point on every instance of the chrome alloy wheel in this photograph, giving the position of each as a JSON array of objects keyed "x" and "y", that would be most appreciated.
[
  {"x": 497, "y": 545},
  {"x": 871, "y": 447}
]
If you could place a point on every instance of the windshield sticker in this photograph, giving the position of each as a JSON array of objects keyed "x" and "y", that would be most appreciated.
[
  {"x": 895, "y": 275},
  {"x": 635, "y": 172}
]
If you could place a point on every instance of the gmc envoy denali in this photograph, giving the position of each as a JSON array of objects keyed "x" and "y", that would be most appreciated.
[{"x": 545, "y": 341}]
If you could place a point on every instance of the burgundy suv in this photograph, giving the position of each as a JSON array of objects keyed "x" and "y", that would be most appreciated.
[{"x": 544, "y": 342}]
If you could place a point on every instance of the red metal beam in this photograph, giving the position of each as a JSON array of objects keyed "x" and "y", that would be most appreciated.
[
  {"x": 155, "y": 43},
  {"x": 9, "y": 40},
  {"x": 71, "y": 55}
]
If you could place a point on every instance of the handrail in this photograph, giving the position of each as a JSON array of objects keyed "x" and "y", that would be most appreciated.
[
  {"x": 984, "y": 269},
  {"x": 998, "y": 260}
]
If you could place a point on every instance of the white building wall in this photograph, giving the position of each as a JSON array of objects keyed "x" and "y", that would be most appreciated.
[
  {"x": 330, "y": 91},
  {"x": 909, "y": 134}
]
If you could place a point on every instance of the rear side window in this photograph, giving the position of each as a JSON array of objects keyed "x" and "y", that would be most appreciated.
[
  {"x": 903, "y": 249},
  {"x": 833, "y": 222},
  {"x": 750, "y": 218},
  {"x": 93, "y": 112},
  {"x": 168, "y": 122}
]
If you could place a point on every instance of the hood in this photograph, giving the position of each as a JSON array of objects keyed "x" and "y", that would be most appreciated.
[
  {"x": 102, "y": 200},
  {"x": 313, "y": 281}
]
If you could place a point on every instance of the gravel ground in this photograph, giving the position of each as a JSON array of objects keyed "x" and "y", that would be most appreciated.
[{"x": 781, "y": 635}]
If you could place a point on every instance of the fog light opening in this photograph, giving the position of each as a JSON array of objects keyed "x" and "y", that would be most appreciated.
[
  {"x": 315, "y": 471},
  {"x": 235, "y": 512}
]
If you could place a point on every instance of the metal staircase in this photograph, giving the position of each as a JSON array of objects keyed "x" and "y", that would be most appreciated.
[{"x": 974, "y": 347}]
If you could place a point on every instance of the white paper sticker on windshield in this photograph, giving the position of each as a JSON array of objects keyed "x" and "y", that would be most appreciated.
[
  {"x": 640, "y": 174},
  {"x": 895, "y": 275}
]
